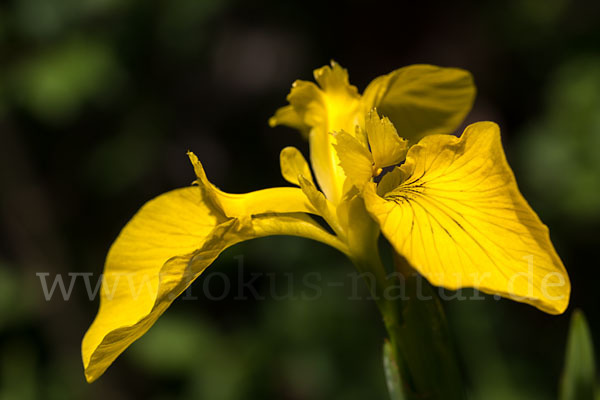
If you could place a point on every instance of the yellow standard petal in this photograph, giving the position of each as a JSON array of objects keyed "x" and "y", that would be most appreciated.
[
  {"x": 456, "y": 214},
  {"x": 334, "y": 105},
  {"x": 169, "y": 243},
  {"x": 422, "y": 99}
]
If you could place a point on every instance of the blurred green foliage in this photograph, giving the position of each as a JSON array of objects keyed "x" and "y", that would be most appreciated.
[
  {"x": 560, "y": 148},
  {"x": 100, "y": 100},
  {"x": 307, "y": 348},
  {"x": 579, "y": 376},
  {"x": 55, "y": 83}
]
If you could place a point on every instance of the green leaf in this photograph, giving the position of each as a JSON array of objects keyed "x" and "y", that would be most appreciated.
[
  {"x": 578, "y": 380},
  {"x": 392, "y": 374}
]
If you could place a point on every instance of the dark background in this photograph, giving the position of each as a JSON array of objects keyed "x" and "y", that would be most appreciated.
[{"x": 101, "y": 99}]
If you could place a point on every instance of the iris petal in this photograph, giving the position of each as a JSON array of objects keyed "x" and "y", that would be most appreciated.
[
  {"x": 334, "y": 105},
  {"x": 458, "y": 217},
  {"x": 422, "y": 100},
  {"x": 169, "y": 242}
]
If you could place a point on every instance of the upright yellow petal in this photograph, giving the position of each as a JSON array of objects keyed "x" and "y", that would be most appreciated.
[
  {"x": 386, "y": 146},
  {"x": 422, "y": 99},
  {"x": 458, "y": 217},
  {"x": 341, "y": 99},
  {"x": 334, "y": 105},
  {"x": 169, "y": 242}
]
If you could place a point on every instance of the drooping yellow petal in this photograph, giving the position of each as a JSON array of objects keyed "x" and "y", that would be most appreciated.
[
  {"x": 458, "y": 217},
  {"x": 386, "y": 146},
  {"x": 167, "y": 244},
  {"x": 422, "y": 99},
  {"x": 174, "y": 224},
  {"x": 293, "y": 164},
  {"x": 355, "y": 159},
  {"x": 333, "y": 106}
]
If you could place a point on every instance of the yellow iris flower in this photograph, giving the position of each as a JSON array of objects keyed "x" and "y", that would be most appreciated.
[{"x": 449, "y": 205}]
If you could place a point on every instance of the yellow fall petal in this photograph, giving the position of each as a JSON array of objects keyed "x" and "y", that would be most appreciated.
[
  {"x": 458, "y": 217},
  {"x": 389, "y": 181},
  {"x": 293, "y": 164},
  {"x": 171, "y": 225},
  {"x": 422, "y": 99},
  {"x": 386, "y": 146},
  {"x": 147, "y": 269},
  {"x": 169, "y": 242}
]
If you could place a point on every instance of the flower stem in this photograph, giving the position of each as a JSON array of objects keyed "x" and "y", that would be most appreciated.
[{"x": 418, "y": 333}]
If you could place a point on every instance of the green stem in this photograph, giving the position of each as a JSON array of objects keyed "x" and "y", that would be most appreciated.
[
  {"x": 412, "y": 313},
  {"x": 418, "y": 332}
]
